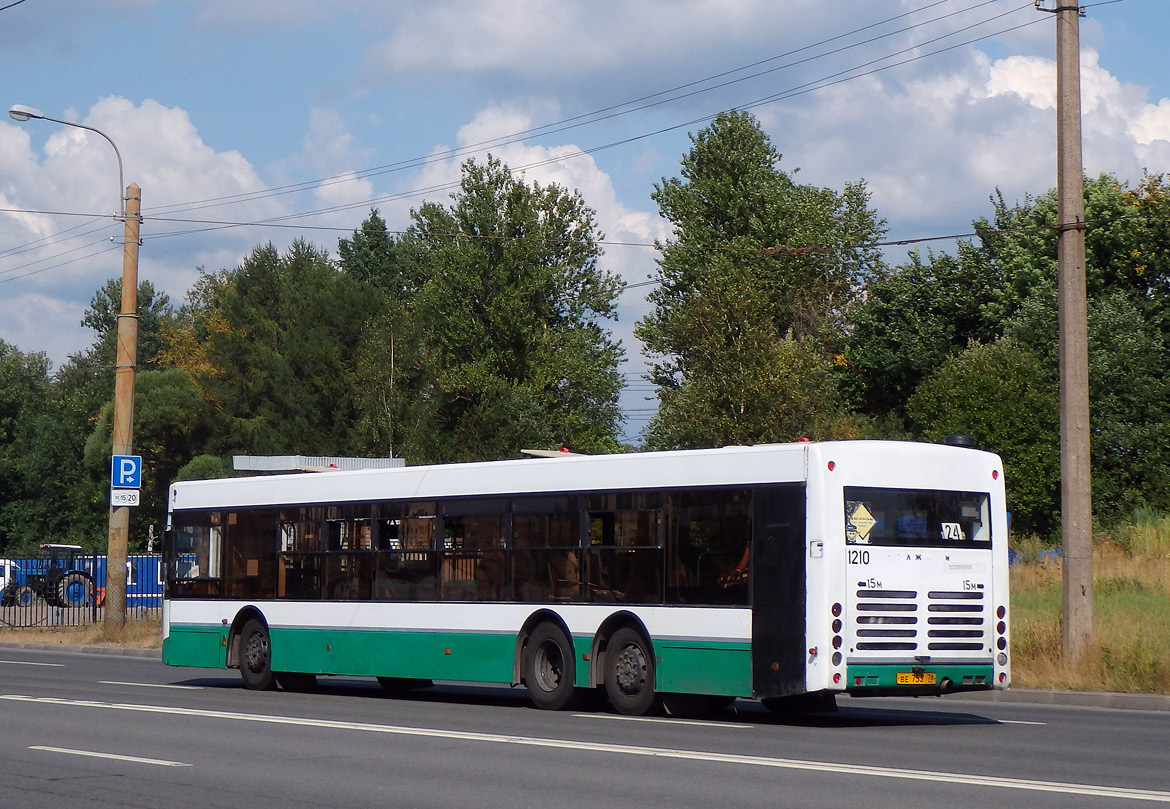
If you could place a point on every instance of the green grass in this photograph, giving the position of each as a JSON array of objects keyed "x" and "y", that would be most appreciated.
[{"x": 1131, "y": 604}]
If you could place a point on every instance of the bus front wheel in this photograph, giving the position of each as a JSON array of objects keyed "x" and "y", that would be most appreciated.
[
  {"x": 256, "y": 656},
  {"x": 629, "y": 673},
  {"x": 549, "y": 669}
]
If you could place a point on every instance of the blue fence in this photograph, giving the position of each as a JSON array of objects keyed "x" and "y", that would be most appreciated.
[{"x": 79, "y": 592}]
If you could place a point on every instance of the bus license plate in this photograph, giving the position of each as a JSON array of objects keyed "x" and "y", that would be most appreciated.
[{"x": 909, "y": 678}]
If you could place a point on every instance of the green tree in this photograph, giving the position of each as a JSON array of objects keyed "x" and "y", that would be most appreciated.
[
  {"x": 912, "y": 319},
  {"x": 25, "y": 394},
  {"x": 757, "y": 265},
  {"x": 170, "y": 425},
  {"x": 492, "y": 335},
  {"x": 1004, "y": 398},
  {"x": 922, "y": 312},
  {"x": 273, "y": 347}
]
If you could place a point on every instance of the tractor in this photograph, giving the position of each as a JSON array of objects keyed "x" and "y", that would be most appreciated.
[{"x": 57, "y": 578}]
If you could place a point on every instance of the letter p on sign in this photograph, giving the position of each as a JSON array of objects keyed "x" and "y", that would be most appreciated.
[{"x": 126, "y": 472}]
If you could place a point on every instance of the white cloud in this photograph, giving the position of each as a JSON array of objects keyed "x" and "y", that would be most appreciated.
[
  {"x": 50, "y": 265},
  {"x": 933, "y": 146}
]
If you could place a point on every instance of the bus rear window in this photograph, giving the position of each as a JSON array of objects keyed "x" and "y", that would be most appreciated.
[{"x": 918, "y": 518}]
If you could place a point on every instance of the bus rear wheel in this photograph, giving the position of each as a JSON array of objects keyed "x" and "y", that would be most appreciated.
[
  {"x": 629, "y": 673},
  {"x": 256, "y": 656},
  {"x": 549, "y": 669}
]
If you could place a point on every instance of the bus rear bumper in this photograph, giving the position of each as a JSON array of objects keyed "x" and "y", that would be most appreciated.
[{"x": 916, "y": 679}]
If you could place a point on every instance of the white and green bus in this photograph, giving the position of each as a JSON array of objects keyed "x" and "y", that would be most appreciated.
[{"x": 784, "y": 573}]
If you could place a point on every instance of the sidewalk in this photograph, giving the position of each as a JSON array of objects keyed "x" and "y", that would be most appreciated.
[{"x": 1033, "y": 696}]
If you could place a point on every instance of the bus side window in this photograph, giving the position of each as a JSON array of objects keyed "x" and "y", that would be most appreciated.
[{"x": 707, "y": 535}]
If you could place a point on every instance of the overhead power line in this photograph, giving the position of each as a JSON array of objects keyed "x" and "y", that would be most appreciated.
[
  {"x": 833, "y": 79},
  {"x": 595, "y": 116}
]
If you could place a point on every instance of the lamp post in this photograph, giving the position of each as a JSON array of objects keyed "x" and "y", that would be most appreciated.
[{"x": 130, "y": 202}]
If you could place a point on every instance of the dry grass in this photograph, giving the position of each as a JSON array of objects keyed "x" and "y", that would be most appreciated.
[
  {"x": 1131, "y": 599},
  {"x": 145, "y": 633}
]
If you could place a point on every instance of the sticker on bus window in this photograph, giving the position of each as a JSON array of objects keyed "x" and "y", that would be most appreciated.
[
  {"x": 952, "y": 532},
  {"x": 858, "y": 522}
]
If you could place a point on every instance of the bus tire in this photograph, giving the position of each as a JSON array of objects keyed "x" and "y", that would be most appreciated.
[
  {"x": 550, "y": 670},
  {"x": 629, "y": 673},
  {"x": 256, "y": 656}
]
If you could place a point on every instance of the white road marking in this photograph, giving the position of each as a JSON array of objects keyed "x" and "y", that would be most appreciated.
[
  {"x": 114, "y": 756},
  {"x": 27, "y": 663},
  {"x": 1091, "y": 790},
  {"x": 1018, "y": 722},
  {"x": 660, "y": 720},
  {"x": 154, "y": 685}
]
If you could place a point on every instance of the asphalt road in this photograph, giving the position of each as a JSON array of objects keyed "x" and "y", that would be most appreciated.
[{"x": 86, "y": 730}]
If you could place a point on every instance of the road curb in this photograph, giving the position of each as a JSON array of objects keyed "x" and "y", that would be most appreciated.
[{"x": 85, "y": 648}]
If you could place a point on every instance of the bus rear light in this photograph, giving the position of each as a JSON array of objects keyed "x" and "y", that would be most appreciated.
[
  {"x": 836, "y": 610},
  {"x": 1001, "y": 644},
  {"x": 1001, "y": 612},
  {"x": 837, "y": 658},
  {"x": 837, "y": 678},
  {"x": 837, "y": 641},
  {"x": 1001, "y": 627},
  {"x": 832, "y": 465},
  {"x": 995, "y": 474},
  {"x": 1002, "y": 677},
  {"x": 837, "y": 625}
]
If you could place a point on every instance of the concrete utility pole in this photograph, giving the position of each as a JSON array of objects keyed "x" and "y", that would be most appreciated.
[
  {"x": 124, "y": 372},
  {"x": 1076, "y": 483}
]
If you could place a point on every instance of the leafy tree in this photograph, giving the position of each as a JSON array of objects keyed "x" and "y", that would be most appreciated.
[
  {"x": 491, "y": 338},
  {"x": 912, "y": 319},
  {"x": 273, "y": 346},
  {"x": 758, "y": 263},
  {"x": 1003, "y": 397},
  {"x": 25, "y": 393},
  {"x": 205, "y": 467},
  {"x": 1006, "y": 288},
  {"x": 788, "y": 389},
  {"x": 170, "y": 425},
  {"x": 154, "y": 316}
]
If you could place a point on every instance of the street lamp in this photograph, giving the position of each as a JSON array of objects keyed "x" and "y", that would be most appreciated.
[{"x": 130, "y": 203}]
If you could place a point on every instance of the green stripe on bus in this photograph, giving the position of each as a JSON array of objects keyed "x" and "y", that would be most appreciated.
[
  {"x": 696, "y": 667},
  {"x": 201, "y": 646},
  {"x": 704, "y": 668},
  {"x": 427, "y": 655}
]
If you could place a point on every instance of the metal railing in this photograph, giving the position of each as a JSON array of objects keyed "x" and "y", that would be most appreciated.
[{"x": 77, "y": 597}]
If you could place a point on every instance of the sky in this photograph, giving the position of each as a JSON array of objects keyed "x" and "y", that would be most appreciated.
[{"x": 246, "y": 122}]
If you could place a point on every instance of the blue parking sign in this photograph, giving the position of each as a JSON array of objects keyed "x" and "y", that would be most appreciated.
[{"x": 126, "y": 472}]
